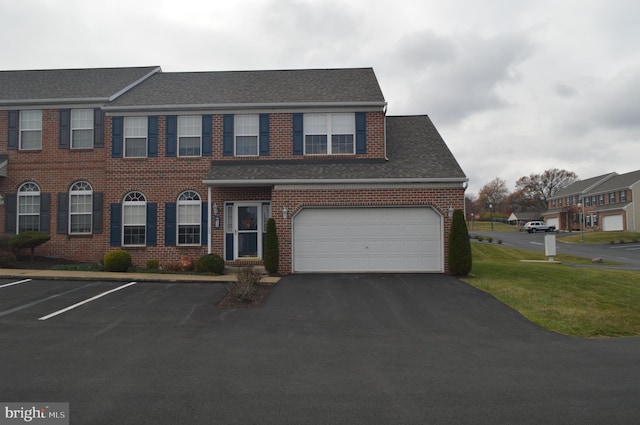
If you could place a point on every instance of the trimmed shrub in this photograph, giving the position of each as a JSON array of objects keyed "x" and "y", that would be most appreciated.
[
  {"x": 7, "y": 259},
  {"x": 210, "y": 263},
  {"x": 153, "y": 264},
  {"x": 245, "y": 286},
  {"x": 117, "y": 261},
  {"x": 28, "y": 240},
  {"x": 459, "y": 246},
  {"x": 4, "y": 242},
  {"x": 271, "y": 248}
]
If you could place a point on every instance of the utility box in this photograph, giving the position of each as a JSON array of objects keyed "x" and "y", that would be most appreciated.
[{"x": 550, "y": 246}]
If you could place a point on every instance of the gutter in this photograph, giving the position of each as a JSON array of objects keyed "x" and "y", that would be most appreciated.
[
  {"x": 270, "y": 182},
  {"x": 237, "y": 106}
]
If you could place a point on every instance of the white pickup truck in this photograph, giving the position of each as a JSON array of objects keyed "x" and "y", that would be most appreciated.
[{"x": 538, "y": 226}]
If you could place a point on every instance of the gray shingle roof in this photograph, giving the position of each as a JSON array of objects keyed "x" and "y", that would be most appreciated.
[
  {"x": 67, "y": 85},
  {"x": 621, "y": 181},
  {"x": 192, "y": 89},
  {"x": 415, "y": 150},
  {"x": 581, "y": 186}
]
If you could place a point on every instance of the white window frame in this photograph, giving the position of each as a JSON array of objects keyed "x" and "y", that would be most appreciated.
[
  {"x": 31, "y": 191},
  {"x": 190, "y": 126},
  {"x": 623, "y": 196},
  {"x": 247, "y": 126},
  {"x": 328, "y": 125},
  {"x": 80, "y": 190},
  {"x": 30, "y": 122},
  {"x": 134, "y": 200},
  {"x": 81, "y": 124},
  {"x": 137, "y": 132},
  {"x": 187, "y": 199}
]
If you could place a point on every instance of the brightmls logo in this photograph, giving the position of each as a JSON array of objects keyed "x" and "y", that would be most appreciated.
[{"x": 37, "y": 413}]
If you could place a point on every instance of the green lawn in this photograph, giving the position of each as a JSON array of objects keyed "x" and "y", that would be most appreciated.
[
  {"x": 584, "y": 302},
  {"x": 485, "y": 226},
  {"x": 602, "y": 237}
]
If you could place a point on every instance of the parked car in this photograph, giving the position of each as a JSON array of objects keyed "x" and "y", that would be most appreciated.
[{"x": 538, "y": 226}]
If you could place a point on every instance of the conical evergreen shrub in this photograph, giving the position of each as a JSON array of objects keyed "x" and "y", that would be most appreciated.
[
  {"x": 459, "y": 246},
  {"x": 271, "y": 248}
]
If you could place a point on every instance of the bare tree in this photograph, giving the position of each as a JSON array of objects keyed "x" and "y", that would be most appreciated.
[
  {"x": 493, "y": 193},
  {"x": 541, "y": 187}
]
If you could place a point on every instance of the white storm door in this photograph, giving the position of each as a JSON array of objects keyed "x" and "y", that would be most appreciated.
[{"x": 248, "y": 230}]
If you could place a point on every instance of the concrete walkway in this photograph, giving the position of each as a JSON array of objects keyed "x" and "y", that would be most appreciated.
[{"x": 129, "y": 277}]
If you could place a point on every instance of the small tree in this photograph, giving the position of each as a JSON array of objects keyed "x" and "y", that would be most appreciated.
[
  {"x": 29, "y": 240},
  {"x": 271, "y": 248},
  {"x": 459, "y": 246}
]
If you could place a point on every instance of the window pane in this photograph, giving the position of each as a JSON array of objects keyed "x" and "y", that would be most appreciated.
[
  {"x": 81, "y": 204},
  {"x": 135, "y": 214},
  {"x": 134, "y": 235},
  {"x": 28, "y": 223},
  {"x": 135, "y": 147},
  {"x": 315, "y": 123},
  {"x": 189, "y": 214},
  {"x": 81, "y": 118},
  {"x": 189, "y": 146},
  {"x": 30, "y": 120},
  {"x": 189, "y": 235},
  {"x": 135, "y": 127},
  {"x": 82, "y": 139},
  {"x": 315, "y": 145},
  {"x": 30, "y": 139},
  {"x": 246, "y": 125},
  {"x": 247, "y": 145},
  {"x": 80, "y": 223},
  {"x": 342, "y": 123},
  {"x": 190, "y": 126},
  {"x": 342, "y": 143}
]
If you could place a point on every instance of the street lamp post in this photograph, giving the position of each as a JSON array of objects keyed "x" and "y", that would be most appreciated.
[
  {"x": 491, "y": 210},
  {"x": 581, "y": 218}
]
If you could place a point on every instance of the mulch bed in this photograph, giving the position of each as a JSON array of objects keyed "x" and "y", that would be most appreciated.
[{"x": 230, "y": 301}]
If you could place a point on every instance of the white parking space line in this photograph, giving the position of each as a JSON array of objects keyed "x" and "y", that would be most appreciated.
[
  {"x": 71, "y": 307},
  {"x": 40, "y": 301},
  {"x": 15, "y": 283}
]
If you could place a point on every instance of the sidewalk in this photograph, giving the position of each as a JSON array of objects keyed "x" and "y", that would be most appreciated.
[{"x": 129, "y": 277}]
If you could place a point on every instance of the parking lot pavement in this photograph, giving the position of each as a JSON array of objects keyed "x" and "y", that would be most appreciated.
[{"x": 323, "y": 349}]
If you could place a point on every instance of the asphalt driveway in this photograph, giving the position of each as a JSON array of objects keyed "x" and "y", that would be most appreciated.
[{"x": 323, "y": 349}]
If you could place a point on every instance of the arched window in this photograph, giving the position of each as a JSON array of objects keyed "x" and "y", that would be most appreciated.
[
  {"x": 189, "y": 218},
  {"x": 134, "y": 219},
  {"x": 80, "y": 208},
  {"x": 29, "y": 208}
]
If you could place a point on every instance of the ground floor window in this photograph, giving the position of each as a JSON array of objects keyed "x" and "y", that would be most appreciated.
[
  {"x": 134, "y": 213},
  {"x": 189, "y": 218},
  {"x": 29, "y": 208}
]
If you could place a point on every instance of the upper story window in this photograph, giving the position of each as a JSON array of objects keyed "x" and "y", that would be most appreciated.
[
  {"x": 553, "y": 203},
  {"x": 587, "y": 201},
  {"x": 134, "y": 219},
  {"x": 30, "y": 130},
  {"x": 80, "y": 208},
  {"x": 601, "y": 199},
  {"x": 623, "y": 196},
  {"x": 329, "y": 134},
  {"x": 82, "y": 128},
  {"x": 189, "y": 218},
  {"x": 189, "y": 135},
  {"x": 135, "y": 137},
  {"x": 560, "y": 202},
  {"x": 594, "y": 200},
  {"x": 246, "y": 134},
  {"x": 29, "y": 208},
  {"x": 612, "y": 198}
]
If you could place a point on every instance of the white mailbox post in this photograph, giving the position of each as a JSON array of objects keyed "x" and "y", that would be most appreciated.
[{"x": 550, "y": 246}]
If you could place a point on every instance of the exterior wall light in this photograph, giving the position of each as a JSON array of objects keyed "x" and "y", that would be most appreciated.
[{"x": 285, "y": 213}]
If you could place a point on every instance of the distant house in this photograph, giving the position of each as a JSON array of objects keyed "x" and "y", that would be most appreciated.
[
  {"x": 608, "y": 202},
  {"x": 520, "y": 218},
  {"x": 167, "y": 165}
]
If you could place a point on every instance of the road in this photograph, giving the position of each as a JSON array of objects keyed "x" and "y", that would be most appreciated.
[{"x": 627, "y": 254}]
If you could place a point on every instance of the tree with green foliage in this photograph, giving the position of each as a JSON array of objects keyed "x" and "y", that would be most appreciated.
[
  {"x": 271, "y": 248},
  {"x": 459, "y": 246},
  {"x": 29, "y": 240}
]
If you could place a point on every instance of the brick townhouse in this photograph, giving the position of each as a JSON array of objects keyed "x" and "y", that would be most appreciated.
[
  {"x": 167, "y": 165},
  {"x": 606, "y": 203}
]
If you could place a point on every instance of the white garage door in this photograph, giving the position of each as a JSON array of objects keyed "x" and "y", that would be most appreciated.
[
  {"x": 553, "y": 222},
  {"x": 612, "y": 223},
  {"x": 367, "y": 240}
]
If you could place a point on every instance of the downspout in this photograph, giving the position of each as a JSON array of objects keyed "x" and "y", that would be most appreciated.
[
  {"x": 384, "y": 111},
  {"x": 209, "y": 220}
]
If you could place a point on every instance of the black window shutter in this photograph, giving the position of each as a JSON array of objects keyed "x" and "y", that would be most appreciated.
[
  {"x": 264, "y": 134},
  {"x": 170, "y": 224},
  {"x": 97, "y": 212},
  {"x": 171, "y": 131},
  {"x": 152, "y": 137},
  {"x": 63, "y": 213},
  {"x": 11, "y": 211},
  {"x": 116, "y": 137},
  {"x": 227, "y": 135},
  {"x": 98, "y": 128},
  {"x": 115, "y": 225},
  {"x": 361, "y": 132},
  {"x": 13, "y": 127},
  {"x": 152, "y": 224},
  {"x": 65, "y": 129},
  {"x": 45, "y": 212},
  {"x": 298, "y": 134},
  {"x": 204, "y": 228},
  {"x": 207, "y": 135}
]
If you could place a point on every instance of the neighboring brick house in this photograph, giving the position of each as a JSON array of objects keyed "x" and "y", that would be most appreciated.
[
  {"x": 607, "y": 202},
  {"x": 190, "y": 163}
]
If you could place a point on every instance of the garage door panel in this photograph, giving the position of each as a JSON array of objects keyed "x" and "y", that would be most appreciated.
[
  {"x": 367, "y": 239},
  {"x": 612, "y": 223}
]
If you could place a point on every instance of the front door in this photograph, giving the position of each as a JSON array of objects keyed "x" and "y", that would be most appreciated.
[{"x": 248, "y": 230}]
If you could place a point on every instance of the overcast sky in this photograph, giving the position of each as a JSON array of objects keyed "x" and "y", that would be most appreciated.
[{"x": 514, "y": 87}]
